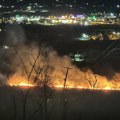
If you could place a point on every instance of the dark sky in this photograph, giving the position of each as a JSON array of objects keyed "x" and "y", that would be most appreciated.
[
  {"x": 107, "y": 2},
  {"x": 100, "y": 5}
]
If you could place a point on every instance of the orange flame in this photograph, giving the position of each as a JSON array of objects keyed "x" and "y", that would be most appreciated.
[
  {"x": 18, "y": 80},
  {"x": 102, "y": 84}
]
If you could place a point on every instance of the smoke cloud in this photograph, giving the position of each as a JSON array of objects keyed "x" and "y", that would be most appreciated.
[{"x": 18, "y": 59}]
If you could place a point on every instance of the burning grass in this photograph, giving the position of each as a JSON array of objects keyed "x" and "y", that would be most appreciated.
[
  {"x": 103, "y": 84},
  {"x": 19, "y": 80},
  {"x": 38, "y": 67}
]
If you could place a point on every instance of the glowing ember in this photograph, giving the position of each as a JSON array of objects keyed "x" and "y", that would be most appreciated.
[
  {"x": 107, "y": 88},
  {"x": 80, "y": 87},
  {"x": 87, "y": 88},
  {"x": 59, "y": 86},
  {"x": 23, "y": 85},
  {"x": 68, "y": 86}
]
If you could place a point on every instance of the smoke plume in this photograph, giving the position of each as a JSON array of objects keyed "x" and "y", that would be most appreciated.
[{"x": 19, "y": 58}]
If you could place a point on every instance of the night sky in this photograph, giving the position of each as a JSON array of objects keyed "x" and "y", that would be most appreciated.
[
  {"x": 96, "y": 2},
  {"x": 84, "y": 6}
]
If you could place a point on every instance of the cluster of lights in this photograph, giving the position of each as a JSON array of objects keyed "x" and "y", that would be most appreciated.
[
  {"x": 81, "y": 19},
  {"x": 68, "y": 19},
  {"x": 111, "y": 35}
]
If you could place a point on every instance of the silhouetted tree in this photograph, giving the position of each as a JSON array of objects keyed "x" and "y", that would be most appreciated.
[{"x": 90, "y": 77}]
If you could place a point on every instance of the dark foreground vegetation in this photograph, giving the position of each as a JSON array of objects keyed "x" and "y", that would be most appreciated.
[{"x": 73, "y": 104}]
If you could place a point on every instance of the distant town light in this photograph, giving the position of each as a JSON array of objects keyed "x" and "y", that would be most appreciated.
[
  {"x": 5, "y": 47},
  {"x": 63, "y": 17},
  {"x": 86, "y": 23},
  {"x": 118, "y": 6},
  {"x": 112, "y": 14}
]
